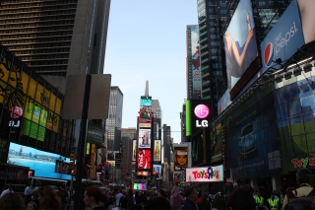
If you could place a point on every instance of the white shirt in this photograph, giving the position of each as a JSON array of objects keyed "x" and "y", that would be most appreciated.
[{"x": 7, "y": 191}]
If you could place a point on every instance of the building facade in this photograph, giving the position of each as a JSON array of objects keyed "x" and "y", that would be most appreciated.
[{"x": 157, "y": 119}]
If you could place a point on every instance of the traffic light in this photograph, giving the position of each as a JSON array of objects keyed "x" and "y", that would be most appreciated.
[{"x": 99, "y": 168}]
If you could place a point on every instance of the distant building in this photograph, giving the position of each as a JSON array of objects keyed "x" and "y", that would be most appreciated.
[{"x": 157, "y": 119}]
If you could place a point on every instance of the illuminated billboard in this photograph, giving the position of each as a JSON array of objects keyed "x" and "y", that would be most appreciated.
[
  {"x": 307, "y": 9},
  {"x": 145, "y": 102},
  {"x": 180, "y": 157},
  {"x": 240, "y": 43},
  {"x": 157, "y": 170},
  {"x": 144, "y": 140},
  {"x": 198, "y": 115},
  {"x": 134, "y": 150},
  {"x": 284, "y": 38},
  {"x": 157, "y": 151},
  {"x": 144, "y": 159},
  {"x": 205, "y": 174},
  {"x": 140, "y": 186},
  {"x": 43, "y": 163},
  {"x": 145, "y": 117},
  {"x": 195, "y": 60}
]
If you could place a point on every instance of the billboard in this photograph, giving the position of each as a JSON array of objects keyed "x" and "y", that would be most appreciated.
[
  {"x": 157, "y": 151},
  {"x": 306, "y": 9},
  {"x": 205, "y": 174},
  {"x": 195, "y": 60},
  {"x": 295, "y": 110},
  {"x": 144, "y": 140},
  {"x": 240, "y": 43},
  {"x": 43, "y": 163},
  {"x": 139, "y": 186},
  {"x": 252, "y": 139},
  {"x": 145, "y": 117},
  {"x": 144, "y": 159},
  {"x": 134, "y": 150},
  {"x": 157, "y": 170},
  {"x": 197, "y": 115},
  {"x": 146, "y": 102},
  {"x": 284, "y": 38},
  {"x": 180, "y": 157}
]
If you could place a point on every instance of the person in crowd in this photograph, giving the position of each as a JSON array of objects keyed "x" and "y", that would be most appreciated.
[
  {"x": 161, "y": 202},
  {"x": 31, "y": 206},
  {"x": 123, "y": 201},
  {"x": 130, "y": 199},
  {"x": 118, "y": 196},
  {"x": 148, "y": 201},
  {"x": 273, "y": 203},
  {"x": 259, "y": 200},
  {"x": 191, "y": 196},
  {"x": 48, "y": 199},
  {"x": 176, "y": 198},
  {"x": 204, "y": 203},
  {"x": 198, "y": 197},
  {"x": 12, "y": 201},
  {"x": 241, "y": 199},
  {"x": 92, "y": 196},
  {"x": 304, "y": 178},
  {"x": 28, "y": 192},
  {"x": 7, "y": 191},
  {"x": 63, "y": 195}
]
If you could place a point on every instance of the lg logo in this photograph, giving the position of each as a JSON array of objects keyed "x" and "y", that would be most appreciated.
[{"x": 202, "y": 111}]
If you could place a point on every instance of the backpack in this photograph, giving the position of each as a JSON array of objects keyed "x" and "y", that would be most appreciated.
[{"x": 300, "y": 203}]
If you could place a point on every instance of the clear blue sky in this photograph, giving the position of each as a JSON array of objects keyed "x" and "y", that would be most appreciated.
[{"x": 147, "y": 41}]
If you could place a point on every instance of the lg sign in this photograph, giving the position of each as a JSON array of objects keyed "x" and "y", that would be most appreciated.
[{"x": 201, "y": 111}]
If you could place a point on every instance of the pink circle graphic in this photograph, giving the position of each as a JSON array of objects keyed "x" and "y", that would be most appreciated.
[{"x": 202, "y": 111}]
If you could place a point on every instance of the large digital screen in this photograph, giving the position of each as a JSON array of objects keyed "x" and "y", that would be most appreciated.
[
  {"x": 157, "y": 151},
  {"x": 253, "y": 145},
  {"x": 295, "y": 109},
  {"x": 43, "y": 163},
  {"x": 180, "y": 157},
  {"x": 144, "y": 140},
  {"x": 140, "y": 186},
  {"x": 240, "y": 43},
  {"x": 157, "y": 170},
  {"x": 145, "y": 117},
  {"x": 144, "y": 159},
  {"x": 307, "y": 9},
  {"x": 145, "y": 102},
  {"x": 195, "y": 60},
  {"x": 205, "y": 174},
  {"x": 134, "y": 150},
  {"x": 284, "y": 38}
]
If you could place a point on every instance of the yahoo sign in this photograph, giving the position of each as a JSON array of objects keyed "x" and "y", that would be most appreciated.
[{"x": 284, "y": 38}]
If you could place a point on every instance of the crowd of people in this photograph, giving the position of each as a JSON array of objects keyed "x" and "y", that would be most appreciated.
[{"x": 96, "y": 198}]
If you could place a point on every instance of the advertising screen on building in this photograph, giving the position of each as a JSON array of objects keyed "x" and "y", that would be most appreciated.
[
  {"x": 284, "y": 38},
  {"x": 44, "y": 163},
  {"x": 295, "y": 119},
  {"x": 140, "y": 186},
  {"x": 180, "y": 157},
  {"x": 144, "y": 140},
  {"x": 240, "y": 43},
  {"x": 205, "y": 174},
  {"x": 307, "y": 9},
  {"x": 144, "y": 159},
  {"x": 145, "y": 102},
  {"x": 157, "y": 151},
  {"x": 197, "y": 116},
  {"x": 253, "y": 139},
  {"x": 157, "y": 170},
  {"x": 195, "y": 56},
  {"x": 145, "y": 117},
  {"x": 134, "y": 150}
]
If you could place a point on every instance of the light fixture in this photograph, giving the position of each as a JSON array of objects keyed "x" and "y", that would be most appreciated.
[
  {"x": 297, "y": 71},
  {"x": 308, "y": 67},
  {"x": 279, "y": 79},
  {"x": 288, "y": 75}
]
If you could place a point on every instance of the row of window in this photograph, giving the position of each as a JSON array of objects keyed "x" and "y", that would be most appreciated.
[
  {"x": 32, "y": 13},
  {"x": 39, "y": 19},
  {"x": 37, "y": 30},
  {"x": 6, "y": 10},
  {"x": 23, "y": 41},
  {"x": 39, "y": 3},
  {"x": 41, "y": 45}
]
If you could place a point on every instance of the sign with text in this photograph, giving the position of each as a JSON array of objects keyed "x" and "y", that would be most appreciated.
[{"x": 205, "y": 174}]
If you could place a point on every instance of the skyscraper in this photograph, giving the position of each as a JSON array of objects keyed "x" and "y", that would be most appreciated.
[
  {"x": 56, "y": 38},
  {"x": 114, "y": 120},
  {"x": 157, "y": 119}
]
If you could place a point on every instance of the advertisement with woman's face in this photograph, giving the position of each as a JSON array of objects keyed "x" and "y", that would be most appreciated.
[
  {"x": 180, "y": 157},
  {"x": 240, "y": 42},
  {"x": 307, "y": 14}
]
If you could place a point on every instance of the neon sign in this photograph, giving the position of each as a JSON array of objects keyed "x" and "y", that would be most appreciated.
[{"x": 205, "y": 174}]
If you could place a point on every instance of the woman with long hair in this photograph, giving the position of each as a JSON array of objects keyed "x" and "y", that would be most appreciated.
[
  {"x": 204, "y": 203},
  {"x": 92, "y": 196},
  {"x": 12, "y": 201},
  {"x": 48, "y": 199}
]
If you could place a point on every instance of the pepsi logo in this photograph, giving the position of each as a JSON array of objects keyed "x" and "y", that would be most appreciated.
[{"x": 268, "y": 54}]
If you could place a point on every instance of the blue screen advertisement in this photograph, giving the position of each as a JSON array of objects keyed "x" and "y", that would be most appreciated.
[
  {"x": 295, "y": 108},
  {"x": 43, "y": 163},
  {"x": 284, "y": 38},
  {"x": 253, "y": 149}
]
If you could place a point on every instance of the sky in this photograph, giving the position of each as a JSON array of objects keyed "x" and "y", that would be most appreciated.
[{"x": 146, "y": 41}]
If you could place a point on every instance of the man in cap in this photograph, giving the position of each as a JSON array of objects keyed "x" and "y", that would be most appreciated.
[
  {"x": 259, "y": 200},
  {"x": 273, "y": 203}
]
